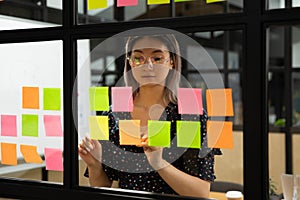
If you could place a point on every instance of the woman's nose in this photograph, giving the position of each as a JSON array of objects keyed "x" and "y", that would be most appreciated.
[{"x": 149, "y": 63}]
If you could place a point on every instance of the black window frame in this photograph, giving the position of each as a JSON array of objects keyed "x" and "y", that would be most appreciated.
[{"x": 253, "y": 21}]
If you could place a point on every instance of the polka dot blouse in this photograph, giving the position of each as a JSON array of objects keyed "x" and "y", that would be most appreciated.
[{"x": 128, "y": 163}]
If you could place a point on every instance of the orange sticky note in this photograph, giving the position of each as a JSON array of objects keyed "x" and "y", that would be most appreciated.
[
  {"x": 129, "y": 132},
  {"x": 30, "y": 154},
  {"x": 30, "y": 97},
  {"x": 219, "y": 102},
  {"x": 8, "y": 154},
  {"x": 219, "y": 134}
]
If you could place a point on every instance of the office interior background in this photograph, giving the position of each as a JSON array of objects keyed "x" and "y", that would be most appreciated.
[{"x": 254, "y": 44}]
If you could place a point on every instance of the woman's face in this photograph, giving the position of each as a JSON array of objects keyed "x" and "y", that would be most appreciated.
[{"x": 150, "y": 61}]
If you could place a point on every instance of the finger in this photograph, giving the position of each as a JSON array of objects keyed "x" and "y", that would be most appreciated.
[
  {"x": 87, "y": 144},
  {"x": 81, "y": 150}
]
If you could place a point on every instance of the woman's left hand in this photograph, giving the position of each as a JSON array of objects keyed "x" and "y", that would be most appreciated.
[{"x": 154, "y": 154}]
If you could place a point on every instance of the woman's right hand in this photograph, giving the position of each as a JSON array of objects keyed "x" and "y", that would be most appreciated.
[{"x": 90, "y": 151}]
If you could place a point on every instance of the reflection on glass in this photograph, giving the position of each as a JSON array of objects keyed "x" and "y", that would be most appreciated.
[
  {"x": 32, "y": 14},
  {"x": 32, "y": 110},
  {"x": 104, "y": 66},
  {"x": 296, "y": 46}
]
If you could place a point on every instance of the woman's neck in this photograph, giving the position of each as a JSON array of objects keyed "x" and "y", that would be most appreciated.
[{"x": 150, "y": 95}]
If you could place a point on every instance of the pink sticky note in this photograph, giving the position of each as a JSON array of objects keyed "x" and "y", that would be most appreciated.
[
  {"x": 53, "y": 158},
  {"x": 52, "y": 124},
  {"x": 127, "y": 3},
  {"x": 122, "y": 99},
  {"x": 9, "y": 125},
  {"x": 190, "y": 101}
]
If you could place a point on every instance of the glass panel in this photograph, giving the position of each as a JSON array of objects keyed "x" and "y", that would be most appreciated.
[
  {"x": 296, "y": 98},
  {"x": 276, "y": 161},
  {"x": 296, "y": 156},
  {"x": 296, "y": 3},
  {"x": 31, "y": 104},
  {"x": 296, "y": 46},
  {"x": 30, "y": 14},
  {"x": 235, "y": 49},
  {"x": 235, "y": 85},
  {"x": 275, "y": 4},
  {"x": 143, "y": 11},
  {"x": 276, "y": 47},
  {"x": 101, "y": 63}
]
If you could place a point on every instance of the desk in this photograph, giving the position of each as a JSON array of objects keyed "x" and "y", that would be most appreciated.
[{"x": 217, "y": 195}]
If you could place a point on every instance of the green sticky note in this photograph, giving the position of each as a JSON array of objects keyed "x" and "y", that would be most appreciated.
[
  {"x": 52, "y": 99},
  {"x": 98, "y": 127},
  {"x": 95, "y": 4},
  {"x": 30, "y": 124},
  {"x": 158, "y": 2},
  {"x": 159, "y": 133},
  {"x": 188, "y": 134},
  {"x": 99, "y": 100},
  {"x": 213, "y": 1}
]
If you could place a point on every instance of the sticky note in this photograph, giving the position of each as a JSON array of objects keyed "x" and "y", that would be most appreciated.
[
  {"x": 213, "y": 1},
  {"x": 122, "y": 99},
  {"x": 219, "y": 134},
  {"x": 159, "y": 133},
  {"x": 188, "y": 134},
  {"x": 30, "y": 125},
  {"x": 95, "y": 4},
  {"x": 98, "y": 127},
  {"x": 52, "y": 99},
  {"x": 158, "y": 2},
  {"x": 52, "y": 125},
  {"x": 127, "y": 3},
  {"x": 190, "y": 101},
  {"x": 53, "y": 159},
  {"x": 8, "y": 154},
  {"x": 219, "y": 102},
  {"x": 99, "y": 99},
  {"x": 182, "y": 0},
  {"x": 30, "y": 154},
  {"x": 30, "y": 97},
  {"x": 129, "y": 132},
  {"x": 9, "y": 125}
]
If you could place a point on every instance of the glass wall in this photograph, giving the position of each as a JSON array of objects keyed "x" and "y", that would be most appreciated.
[
  {"x": 31, "y": 111},
  {"x": 89, "y": 13},
  {"x": 283, "y": 76}
]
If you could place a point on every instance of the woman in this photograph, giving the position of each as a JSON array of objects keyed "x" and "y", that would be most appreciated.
[{"x": 153, "y": 68}]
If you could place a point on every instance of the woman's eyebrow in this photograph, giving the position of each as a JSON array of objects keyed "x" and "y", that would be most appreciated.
[{"x": 155, "y": 51}]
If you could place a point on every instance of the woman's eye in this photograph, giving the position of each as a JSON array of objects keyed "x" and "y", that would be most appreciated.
[{"x": 157, "y": 59}]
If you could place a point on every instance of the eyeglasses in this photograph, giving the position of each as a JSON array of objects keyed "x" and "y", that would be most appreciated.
[{"x": 137, "y": 60}]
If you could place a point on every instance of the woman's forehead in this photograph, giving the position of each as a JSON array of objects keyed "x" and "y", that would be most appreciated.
[{"x": 148, "y": 43}]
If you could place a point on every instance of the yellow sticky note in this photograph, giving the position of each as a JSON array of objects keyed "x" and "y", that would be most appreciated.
[
  {"x": 8, "y": 154},
  {"x": 30, "y": 154},
  {"x": 129, "y": 132},
  {"x": 158, "y": 2},
  {"x": 219, "y": 102},
  {"x": 95, "y": 4},
  {"x": 219, "y": 134},
  {"x": 213, "y": 1},
  {"x": 98, "y": 127}
]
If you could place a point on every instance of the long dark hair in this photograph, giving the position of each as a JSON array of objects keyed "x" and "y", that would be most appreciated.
[{"x": 173, "y": 78}]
